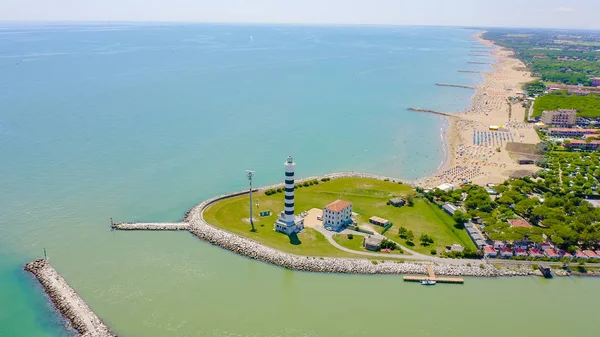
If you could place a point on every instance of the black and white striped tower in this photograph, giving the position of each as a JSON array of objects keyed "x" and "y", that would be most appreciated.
[{"x": 289, "y": 190}]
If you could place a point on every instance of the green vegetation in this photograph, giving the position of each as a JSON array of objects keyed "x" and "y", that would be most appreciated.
[
  {"x": 553, "y": 202},
  {"x": 586, "y": 106},
  {"x": 369, "y": 198},
  {"x": 354, "y": 243},
  {"x": 535, "y": 88},
  {"x": 554, "y": 56}
]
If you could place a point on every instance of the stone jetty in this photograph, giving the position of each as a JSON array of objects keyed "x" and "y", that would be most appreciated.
[
  {"x": 67, "y": 301},
  {"x": 447, "y": 114},
  {"x": 472, "y": 62},
  {"x": 455, "y": 85},
  {"x": 469, "y": 71},
  {"x": 151, "y": 226}
]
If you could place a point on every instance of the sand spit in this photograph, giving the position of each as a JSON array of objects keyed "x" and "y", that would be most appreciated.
[{"x": 67, "y": 301}]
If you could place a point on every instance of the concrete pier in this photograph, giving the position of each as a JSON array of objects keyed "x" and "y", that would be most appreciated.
[
  {"x": 447, "y": 114},
  {"x": 455, "y": 85},
  {"x": 456, "y": 280},
  {"x": 67, "y": 301},
  {"x": 151, "y": 226}
]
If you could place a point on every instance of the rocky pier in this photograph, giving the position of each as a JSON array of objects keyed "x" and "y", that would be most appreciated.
[
  {"x": 67, "y": 301},
  {"x": 469, "y": 71},
  {"x": 151, "y": 226}
]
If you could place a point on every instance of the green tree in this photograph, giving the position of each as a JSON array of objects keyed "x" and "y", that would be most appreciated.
[
  {"x": 402, "y": 232},
  {"x": 460, "y": 217}
]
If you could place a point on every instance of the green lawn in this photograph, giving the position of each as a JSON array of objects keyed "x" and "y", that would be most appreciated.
[
  {"x": 369, "y": 197},
  {"x": 586, "y": 106}
]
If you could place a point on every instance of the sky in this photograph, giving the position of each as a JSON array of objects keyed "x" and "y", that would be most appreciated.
[{"x": 482, "y": 13}]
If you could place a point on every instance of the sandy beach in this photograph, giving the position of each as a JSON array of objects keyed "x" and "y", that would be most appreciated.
[{"x": 475, "y": 152}]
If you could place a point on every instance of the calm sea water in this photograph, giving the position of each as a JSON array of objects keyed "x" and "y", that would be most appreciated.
[{"x": 140, "y": 122}]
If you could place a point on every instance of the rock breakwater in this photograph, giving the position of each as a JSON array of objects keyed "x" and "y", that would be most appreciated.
[
  {"x": 67, "y": 301},
  {"x": 151, "y": 226}
]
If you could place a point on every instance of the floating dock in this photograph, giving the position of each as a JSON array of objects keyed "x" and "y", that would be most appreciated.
[{"x": 456, "y": 280}]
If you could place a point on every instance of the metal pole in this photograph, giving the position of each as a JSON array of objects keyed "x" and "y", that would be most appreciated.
[
  {"x": 251, "y": 220},
  {"x": 45, "y": 256}
]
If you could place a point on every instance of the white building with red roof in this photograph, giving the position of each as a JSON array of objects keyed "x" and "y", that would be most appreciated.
[
  {"x": 580, "y": 255},
  {"x": 337, "y": 214},
  {"x": 591, "y": 254},
  {"x": 520, "y": 252},
  {"x": 506, "y": 253},
  {"x": 535, "y": 253},
  {"x": 489, "y": 251},
  {"x": 551, "y": 253}
]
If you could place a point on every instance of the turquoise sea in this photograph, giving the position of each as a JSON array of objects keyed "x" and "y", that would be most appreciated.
[{"x": 142, "y": 121}]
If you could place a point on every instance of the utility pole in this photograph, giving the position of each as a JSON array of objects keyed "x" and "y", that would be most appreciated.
[{"x": 250, "y": 174}]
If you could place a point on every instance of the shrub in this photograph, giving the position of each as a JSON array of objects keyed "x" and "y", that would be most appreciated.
[
  {"x": 279, "y": 190},
  {"x": 386, "y": 179},
  {"x": 468, "y": 264},
  {"x": 482, "y": 266},
  {"x": 316, "y": 182},
  {"x": 305, "y": 184},
  {"x": 350, "y": 236},
  {"x": 433, "y": 252},
  {"x": 373, "y": 262}
]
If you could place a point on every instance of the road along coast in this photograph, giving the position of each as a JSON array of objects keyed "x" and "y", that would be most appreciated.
[{"x": 67, "y": 301}]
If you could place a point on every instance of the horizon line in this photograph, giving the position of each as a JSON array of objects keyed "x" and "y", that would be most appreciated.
[{"x": 267, "y": 23}]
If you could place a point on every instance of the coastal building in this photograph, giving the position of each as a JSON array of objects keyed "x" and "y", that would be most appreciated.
[
  {"x": 551, "y": 253},
  {"x": 583, "y": 144},
  {"x": 566, "y": 254},
  {"x": 560, "y": 117},
  {"x": 372, "y": 243},
  {"x": 566, "y": 132},
  {"x": 397, "y": 202},
  {"x": 450, "y": 209},
  {"x": 591, "y": 254},
  {"x": 506, "y": 253},
  {"x": 288, "y": 223},
  {"x": 595, "y": 81},
  {"x": 375, "y": 220},
  {"x": 489, "y": 251},
  {"x": 446, "y": 187},
  {"x": 475, "y": 235},
  {"x": 457, "y": 248},
  {"x": 520, "y": 252},
  {"x": 337, "y": 214},
  {"x": 499, "y": 244},
  {"x": 535, "y": 253},
  {"x": 519, "y": 223}
]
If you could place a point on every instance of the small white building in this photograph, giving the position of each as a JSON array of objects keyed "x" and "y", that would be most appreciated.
[
  {"x": 337, "y": 214},
  {"x": 446, "y": 187}
]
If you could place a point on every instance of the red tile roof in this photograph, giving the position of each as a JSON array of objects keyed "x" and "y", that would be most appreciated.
[
  {"x": 520, "y": 251},
  {"x": 505, "y": 251},
  {"x": 519, "y": 223},
  {"x": 338, "y": 205},
  {"x": 535, "y": 252},
  {"x": 590, "y": 253},
  {"x": 579, "y": 253},
  {"x": 489, "y": 249},
  {"x": 565, "y": 254},
  {"x": 551, "y": 253}
]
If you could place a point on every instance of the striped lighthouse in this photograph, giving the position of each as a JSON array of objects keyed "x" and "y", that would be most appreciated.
[
  {"x": 289, "y": 189},
  {"x": 288, "y": 222}
]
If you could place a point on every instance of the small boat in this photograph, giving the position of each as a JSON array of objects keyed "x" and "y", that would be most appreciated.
[{"x": 427, "y": 282}]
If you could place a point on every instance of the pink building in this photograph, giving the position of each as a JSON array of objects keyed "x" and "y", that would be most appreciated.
[
  {"x": 520, "y": 252},
  {"x": 591, "y": 254},
  {"x": 551, "y": 253},
  {"x": 505, "y": 253},
  {"x": 584, "y": 145},
  {"x": 565, "y": 254},
  {"x": 489, "y": 251},
  {"x": 535, "y": 253},
  {"x": 580, "y": 255}
]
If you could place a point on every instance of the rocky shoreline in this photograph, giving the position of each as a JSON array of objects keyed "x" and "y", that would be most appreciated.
[{"x": 67, "y": 301}]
